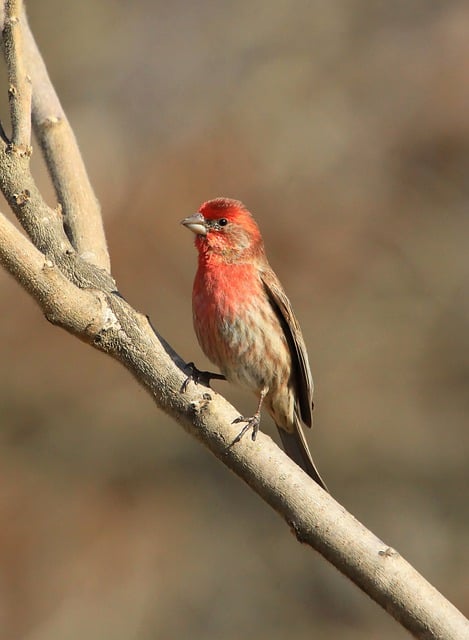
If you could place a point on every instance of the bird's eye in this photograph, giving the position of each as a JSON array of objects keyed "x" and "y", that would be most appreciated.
[{"x": 222, "y": 222}]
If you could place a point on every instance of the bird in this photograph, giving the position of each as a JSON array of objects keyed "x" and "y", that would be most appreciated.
[{"x": 245, "y": 324}]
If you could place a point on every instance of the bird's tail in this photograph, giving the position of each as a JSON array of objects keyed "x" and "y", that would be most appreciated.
[{"x": 296, "y": 448}]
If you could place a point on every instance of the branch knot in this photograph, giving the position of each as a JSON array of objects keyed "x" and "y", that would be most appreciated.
[
  {"x": 22, "y": 197},
  {"x": 20, "y": 150}
]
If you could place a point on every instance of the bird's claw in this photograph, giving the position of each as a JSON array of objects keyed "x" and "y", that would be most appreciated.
[
  {"x": 251, "y": 423},
  {"x": 199, "y": 377}
]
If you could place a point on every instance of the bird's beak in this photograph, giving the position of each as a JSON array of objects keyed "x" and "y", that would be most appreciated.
[{"x": 196, "y": 223}]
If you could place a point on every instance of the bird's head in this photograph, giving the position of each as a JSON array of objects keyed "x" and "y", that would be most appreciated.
[{"x": 226, "y": 228}]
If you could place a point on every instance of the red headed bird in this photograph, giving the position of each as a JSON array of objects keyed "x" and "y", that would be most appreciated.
[{"x": 245, "y": 324}]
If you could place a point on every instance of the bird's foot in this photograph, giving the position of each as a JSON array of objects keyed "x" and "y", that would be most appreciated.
[
  {"x": 251, "y": 423},
  {"x": 199, "y": 377}
]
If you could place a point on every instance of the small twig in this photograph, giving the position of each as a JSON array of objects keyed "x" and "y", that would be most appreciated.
[
  {"x": 19, "y": 90},
  {"x": 80, "y": 207}
]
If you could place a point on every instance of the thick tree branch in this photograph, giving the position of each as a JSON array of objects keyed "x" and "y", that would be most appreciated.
[
  {"x": 56, "y": 295},
  {"x": 81, "y": 298}
]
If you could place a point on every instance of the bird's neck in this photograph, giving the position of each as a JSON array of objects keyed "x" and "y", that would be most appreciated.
[
  {"x": 214, "y": 252},
  {"x": 226, "y": 283}
]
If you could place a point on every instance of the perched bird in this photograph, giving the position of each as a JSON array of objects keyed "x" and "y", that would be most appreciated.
[{"x": 245, "y": 324}]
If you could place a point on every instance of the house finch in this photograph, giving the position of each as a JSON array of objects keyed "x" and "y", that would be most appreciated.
[{"x": 245, "y": 323}]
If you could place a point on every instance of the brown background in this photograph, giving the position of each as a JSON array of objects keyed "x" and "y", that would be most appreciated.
[{"x": 344, "y": 126}]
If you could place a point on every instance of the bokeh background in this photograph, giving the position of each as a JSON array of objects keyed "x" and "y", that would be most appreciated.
[{"x": 344, "y": 125}]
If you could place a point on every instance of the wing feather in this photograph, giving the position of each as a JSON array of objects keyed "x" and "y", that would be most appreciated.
[{"x": 302, "y": 373}]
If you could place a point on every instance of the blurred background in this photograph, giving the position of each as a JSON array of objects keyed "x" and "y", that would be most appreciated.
[{"x": 344, "y": 126}]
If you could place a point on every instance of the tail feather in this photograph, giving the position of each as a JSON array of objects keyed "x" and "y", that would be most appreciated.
[{"x": 296, "y": 448}]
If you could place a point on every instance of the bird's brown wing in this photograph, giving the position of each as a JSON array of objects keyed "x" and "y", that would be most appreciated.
[{"x": 303, "y": 378}]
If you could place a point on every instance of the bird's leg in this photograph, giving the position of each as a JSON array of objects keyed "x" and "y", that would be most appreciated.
[
  {"x": 199, "y": 377},
  {"x": 253, "y": 422}
]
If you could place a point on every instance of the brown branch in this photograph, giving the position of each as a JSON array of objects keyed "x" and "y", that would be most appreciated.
[
  {"x": 81, "y": 210},
  {"x": 56, "y": 295},
  {"x": 19, "y": 90},
  {"x": 45, "y": 225}
]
